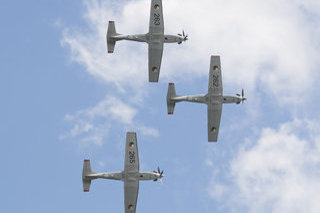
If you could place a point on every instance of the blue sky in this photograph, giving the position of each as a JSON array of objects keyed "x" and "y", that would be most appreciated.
[{"x": 64, "y": 99}]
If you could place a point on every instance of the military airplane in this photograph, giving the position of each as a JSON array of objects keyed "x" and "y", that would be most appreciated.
[
  {"x": 130, "y": 176},
  {"x": 155, "y": 39},
  {"x": 214, "y": 99}
]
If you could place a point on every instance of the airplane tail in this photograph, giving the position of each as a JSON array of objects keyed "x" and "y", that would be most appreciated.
[
  {"x": 111, "y": 42},
  {"x": 171, "y": 94},
  {"x": 86, "y": 181}
]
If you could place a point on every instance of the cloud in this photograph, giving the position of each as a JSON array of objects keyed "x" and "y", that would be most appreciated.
[
  {"x": 278, "y": 173},
  {"x": 92, "y": 125},
  {"x": 126, "y": 73},
  {"x": 266, "y": 45},
  {"x": 271, "y": 48},
  {"x": 126, "y": 77},
  {"x": 269, "y": 44}
]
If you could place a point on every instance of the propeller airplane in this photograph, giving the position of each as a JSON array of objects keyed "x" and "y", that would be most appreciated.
[
  {"x": 214, "y": 99},
  {"x": 155, "y": 39},
  {"x": 130, "y": 175}
]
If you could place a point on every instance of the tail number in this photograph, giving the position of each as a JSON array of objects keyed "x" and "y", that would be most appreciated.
[
  {"x": 132, "y": 157},
  {"x": 156, "y": 19}
]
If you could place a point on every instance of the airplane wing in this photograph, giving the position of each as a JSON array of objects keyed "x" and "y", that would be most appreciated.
[
  {"x": 131, "y": 162},
  {"x": 156, "y": 18},
  {"x": 131, "y": 189},
  {"x": 214, "y": 115},
  {"x": 215, "y": 79},
  {"x": 155, "y": 56},
  {"x": 215, "y": 95}
]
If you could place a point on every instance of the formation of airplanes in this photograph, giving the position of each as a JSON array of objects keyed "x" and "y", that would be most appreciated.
[{"x": 214, "y": 100}]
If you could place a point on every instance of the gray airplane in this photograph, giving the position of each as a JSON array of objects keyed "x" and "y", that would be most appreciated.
[
  {"x": 130, "y": 176},
  {"x": 214, "y": 99},
  {"x": 155, "y": 39}
]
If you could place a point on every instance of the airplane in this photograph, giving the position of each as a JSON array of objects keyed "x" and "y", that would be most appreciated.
[
  {"x": 155, "y": 39},
  {"x": 130, "y": 175},
  {"x": 214, "y": 99}
]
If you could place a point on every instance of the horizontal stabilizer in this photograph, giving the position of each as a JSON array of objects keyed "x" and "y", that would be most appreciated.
[
  {"x": 111, "y": 42},
  {"x": 86, "y": 181},
  {"x": 171, "y": 94}
]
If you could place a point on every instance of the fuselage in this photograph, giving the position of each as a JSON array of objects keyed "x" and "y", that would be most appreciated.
[
  {"x": 209, "y": 99},
  {"x": 126, "y": 176},
  {"x": 150, "y": 38},
  {"x": 228, "y": 99},
  {"x": 191, "y": 98}
]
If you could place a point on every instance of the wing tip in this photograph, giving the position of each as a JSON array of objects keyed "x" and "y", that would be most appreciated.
[
  {"x": 212, "y": 138},
  {"x": 85, "y": 190},
  {"x": 86, "y": 160},
  {"x": 171, "y": 83},
  {"x": 131, "y": 132},
  {"x": 153, "y": 79},
  {"x": 111, "y": 22}
]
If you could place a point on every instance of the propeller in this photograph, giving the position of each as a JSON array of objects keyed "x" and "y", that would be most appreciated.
[
  {"x": 160, "y": 174},
  {"x": 242, "y": 96},
  {"x": 185, "y": 36}
]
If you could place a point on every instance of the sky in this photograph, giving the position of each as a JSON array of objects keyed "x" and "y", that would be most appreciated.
[{"x": 64, "y": 99}]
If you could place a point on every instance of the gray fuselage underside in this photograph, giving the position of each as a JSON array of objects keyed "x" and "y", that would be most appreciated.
[
  {"x": 149, "y": 38},
  {"x": 125, "y": 176},
  {"x": 208, "y": 99}
]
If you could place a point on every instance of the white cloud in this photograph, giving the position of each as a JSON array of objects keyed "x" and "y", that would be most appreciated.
[
  {"x": 268, "y": 47},
  {"x": 92, "y": 125},
  {"x": 278, "y": 173},
  {"x": 268, "y": 42},
  {"x": 126, "y": 72}
]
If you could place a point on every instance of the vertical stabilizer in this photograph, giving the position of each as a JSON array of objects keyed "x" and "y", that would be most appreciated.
[
  {"x": 86, "y": 181},
  {"x": 171, "y": 94},
  {"x": 111, "y": 42}
]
